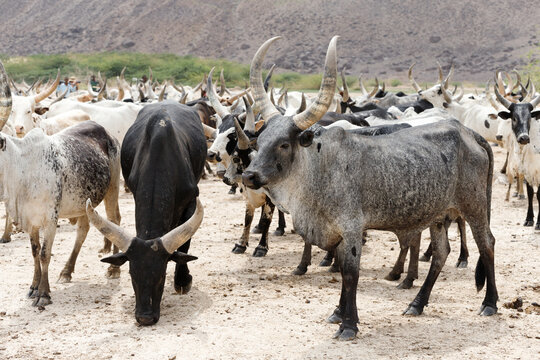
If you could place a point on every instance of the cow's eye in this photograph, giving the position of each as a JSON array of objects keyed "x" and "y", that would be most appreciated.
[{"x": 284, "y": 146}]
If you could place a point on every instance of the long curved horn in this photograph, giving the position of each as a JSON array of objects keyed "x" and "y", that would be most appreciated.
[
  {"x": 383, "y": 87},
  {"x": 536, "y": 100},
  {"x": 345, "y": 87},
  {"x": 243, "y": 140},
  {"x": 209, "y": 131},
  {"x": 180, "y": 235},
  {"x": 101, "y": 93},
  {"x": 110, "y": 230},
  {"x": 90, "y": 90},
  {"x": 412, "y": 81},
  {"x": 510, "y": 85},
  {"x": 14, "y": 86},
  {"x": 141, "y": 93},
  {"x": 59, "y": 98},
  {"x": 218, "y": 120},
  {"x": 375, "y": 89},
  {"x": 302, "y": 104},
  {"x": 222, "y": 86},
  {"x": 449, "y": 76},
  {"x": 5, "y": 97},
  {"x": 180, "y": 89},
  {"x": 120, "y": 96},
  {"x": 262, "y": 104},
  {"x": 446, "y": 94},
  {"x": 518, "y": 79},
  {"x": 250, "y": 117},
  {"x": 441, "y": 76},
  {"x": 268, "y": 77},
  {"x": 234, "y": 105},
  {"x": 499, "y": 81},
  {"x": 326, "y": 94},
  {"x": 459, "y": 95},
  {"x": 183, "y": 99},
  {"x": 100, "y": 79},
  {"x": 151, "y": 75},
  {"x": 361, "y": 84},
  {"x": 238, "y": 96},
  {"x": 505, "y": 102},
  {"x": 280, "y": 100},
  {"x": 162, "y": 92},
  {"x": 45, "y": 93},
  {"x": 213, "y": 97},
  {"x": 272, "y": 100}
]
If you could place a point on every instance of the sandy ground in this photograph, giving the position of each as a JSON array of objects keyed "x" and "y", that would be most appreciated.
[{"x": 244, "y": 307}]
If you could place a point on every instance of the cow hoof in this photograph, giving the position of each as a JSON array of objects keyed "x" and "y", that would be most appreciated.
[
  {"x": 260, "y": 251},
  {"x": 406, "y": 284},
  {"x": 334, "y": 268},
  {"x": 335, "y": 318},
  {"x": 392, "y": 277},
  {"x": 32, "y": 293},
  {"x": 5, "y": 240},
  {"x": 345, "y": 335},
  {"x": 239, "y": 249},
  {"x": 113, "y": 272},
  {"x": 528, "y": 223},
  {"x": 537, "y": 227},
  {"x": 424, "y": 258},
  {"x": 256, "y": 230},
  {"x": 325, "y": 262},
  {"x": 65, "y": 277},
  {"x": 105, "y": 249},
  {"x": 184, "y": 289},
  {"x": 522, "y": 197},
  {"x": 300, "y": 270},
  {"x": 486, "y": 310},
  {"x": 232, "y": 191},
  {"x": 461, "y": 264},
  {"x": 279, "y": 232},
  {"x": 413, "y": 311},
  {"x": 42, "y": 300}
]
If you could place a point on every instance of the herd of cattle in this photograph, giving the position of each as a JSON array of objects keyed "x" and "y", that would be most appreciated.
[{"x": 339, "y": 165}]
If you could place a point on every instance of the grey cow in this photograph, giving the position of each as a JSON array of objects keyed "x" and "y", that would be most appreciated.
[{"x": 338, "y": 184}]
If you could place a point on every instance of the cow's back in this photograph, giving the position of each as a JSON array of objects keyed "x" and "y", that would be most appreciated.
[{"x": 163, "y": 156}]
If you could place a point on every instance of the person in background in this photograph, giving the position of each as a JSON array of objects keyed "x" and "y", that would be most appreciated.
[
  {"x": 144, "y": 79},
  {"x": 72, "y": 85},
  {"x": 62, "y": 86},
  {"x": 94, "y": 84}
]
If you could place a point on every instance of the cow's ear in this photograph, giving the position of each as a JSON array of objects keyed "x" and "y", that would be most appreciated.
[
  {"x": 305, "y": 138},
  {"x": 536, "y": 115},
  {"x": 117, "y": 259},
  {"x": 181, "y": 258},
  {"x": 493, "y": 116},
  {"x": 258, "y": 125},
  {"x": 504, "y": 115}
]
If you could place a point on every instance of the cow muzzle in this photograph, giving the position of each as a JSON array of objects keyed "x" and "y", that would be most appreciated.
[
  {"x": 523, "y": 139},
  {"x": 211, "y": 156},
  {"x": 252, "y": 180}
]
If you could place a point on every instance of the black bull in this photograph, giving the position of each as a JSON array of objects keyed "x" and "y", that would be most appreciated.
[{"x": 163, "y": 156}]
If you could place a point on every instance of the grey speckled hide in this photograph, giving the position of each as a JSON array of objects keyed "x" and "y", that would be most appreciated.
[{"x": 338, "y": 184}]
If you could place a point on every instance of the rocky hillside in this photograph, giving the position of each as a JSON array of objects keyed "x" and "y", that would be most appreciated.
[{"x": 377, "y": 37}]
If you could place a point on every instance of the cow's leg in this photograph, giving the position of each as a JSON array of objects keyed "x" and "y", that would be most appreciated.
[
  {"x": 413, "y": 240},
  {"x": 241, "y": 248},
  {"x": 441, "y": 249},
  {"x": 36, "y": 247},
  {"x": 348, "y": 253},
  {"x": 485, "y": 268},
  {"x": 257, "y": 228},
  {"x": 182, "y": 278},
  {"x": 7, "y": 230},
  {"x": 44, "y": 291},
  {"x": 519, "y": 185},
  {"x": 208, "y": 168},
  {"x": 82, "y": 230},
  {"x": 301, "y": 269},
  {"x": 268, "y": 211},
  {"x": 507, "y": 197},
  {"x": 280, "y": 230},
  {"x": 463, "y": 251},
  {"x": 503, "y": 170},
  {"x": 537, "y": 227},
  {"x": 399, "y": 266},
  {"x": 113, "y": 214},
  {"x": 529, "y": 220},
  {"x": 327, "y": 260}
]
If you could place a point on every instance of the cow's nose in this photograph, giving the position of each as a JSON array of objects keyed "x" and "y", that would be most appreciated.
[
  {"x": 251, "y": 179},
  {"x": 19, "y": 129},
  {"x": 211, "y": 156},
  {"x": 523, "y": 139},
  {"x": 499, "y": 137},
  {"x": 146, "y": 320}
]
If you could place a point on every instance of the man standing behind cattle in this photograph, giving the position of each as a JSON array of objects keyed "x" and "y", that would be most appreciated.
[{"x": 163, "y": 156}]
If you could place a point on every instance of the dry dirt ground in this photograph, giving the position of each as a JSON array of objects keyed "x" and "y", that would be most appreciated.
[{"x": 244, "y": 307}]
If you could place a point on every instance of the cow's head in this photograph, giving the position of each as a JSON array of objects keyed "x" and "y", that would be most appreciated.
[
  {"x": 23, "y": 117},
  {"x": 147, "y": 259},
  {"x": 520, "y": 114},
  {"x": 279, "y": 142},
  {"x": 435, "y": 93}
]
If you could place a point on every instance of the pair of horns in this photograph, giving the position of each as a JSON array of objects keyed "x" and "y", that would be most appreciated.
[
  {"x": 317, "y": 109},
  {"x": 442, "y": 80},
  {"x": 171, "y": 241}
]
